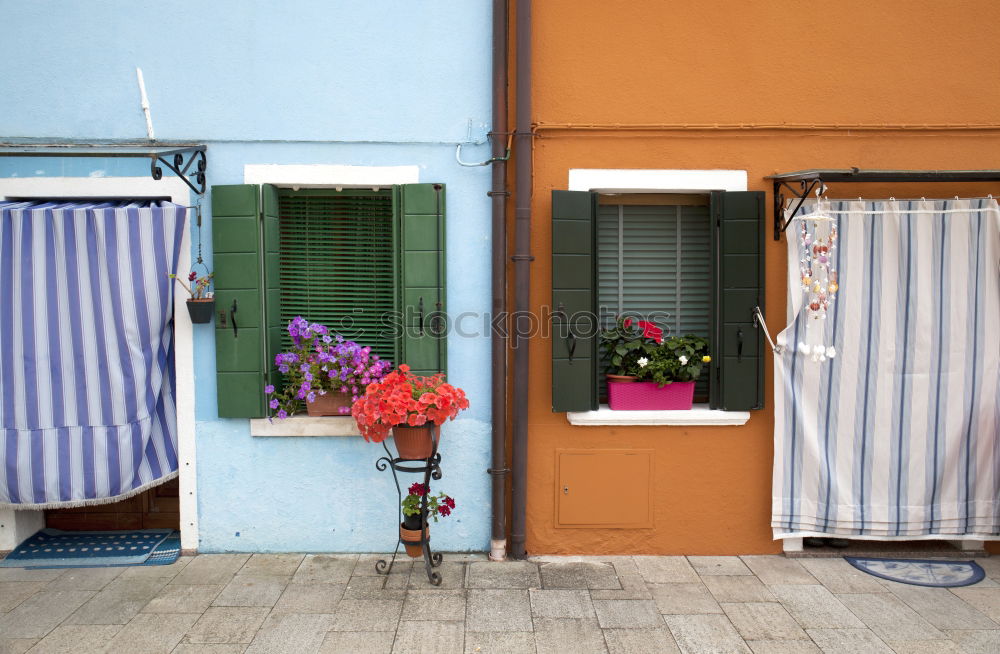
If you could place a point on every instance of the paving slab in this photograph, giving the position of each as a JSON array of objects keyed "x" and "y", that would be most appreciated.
[
  {"x": 500, "y": 642},
  {"x": 76, "y": 638},
  {"x": 367, "y": 615},
  {"x": 890, "y": 618},
  {"x": 633, "y": 586},
  {"x": 848, "y": 641},
  {"x": 640, "y": 641},
  {"x": 684, "y": 599},
  {"x": 763, "y": 621},
  {"x": 325, "y": 569},
  {"x": 718, "y": 565},
  {"x": 705, "y": 634},
  {"x": 358, "y": 642},
  {"x": 508, "y": 574},
  {"x": 183, "y": 598},
  {"x": 771, "y": 570},
  {"x": 151, "y": 633},
  {"x": 228, "y": 648},
  {"x": 252, "y": 590},
  {"x": 309, "y": 598},
  {"x": 119, "y": 602},
  {"x": 976, "y": 641},
  {"x": 814, "y": 607},
  {"x": 561, "y": 604},
  {"x": 984, "y": 600},
  {"x": 28, "y": 574},
  {"x": 226, "y": 624},
  {"x": 85, "y": 578},
  {"x": 738, "y": 589},
  {"x": 36, "y": 616},
  {"x": 272, "y": 565},
  {"x": 291, "y": 633},
  {"x": 16, "y": 645},
  {"x": 498, "y": 610},
  {"x": 453, "y": 575},
  {"x": 839, "y": 576},
  {"x": 942, "y": 608},
  {"x": 627, "y": 614},
  {"x": 436, "y": 605},
  {"x": 580, "y": 576},
  {"x": 562, "y": 635},
  {"x": 13, "y": 593},
  {"x": 429, "y": 637},
  {"x": 365, "y": 564},
  {"x": 666, "y": 569},
  {"x": 783, "y": 647},
  {"x": 929, "y": 647},
  {"x": 373, "y": 588},
  {"x": 210, "y": 569},
  {"x": 168, "y": 571}
]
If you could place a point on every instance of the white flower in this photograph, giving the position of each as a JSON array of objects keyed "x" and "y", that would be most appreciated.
[
  {"x": 831, "y": 352},
  {"x": 804, "y": 348},
  {"x": 643, "y": 361},
  {"x": 683, "y": 359}
]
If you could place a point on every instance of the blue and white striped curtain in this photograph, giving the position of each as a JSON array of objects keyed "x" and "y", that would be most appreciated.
[
  {"x": 897, "y": 435},
  {"x": 86, "y": 350}
]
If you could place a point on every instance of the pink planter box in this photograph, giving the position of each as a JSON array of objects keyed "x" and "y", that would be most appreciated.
[{"x": 638, "y": 396}]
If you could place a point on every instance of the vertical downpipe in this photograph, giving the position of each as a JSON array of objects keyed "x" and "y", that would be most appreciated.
[
  {"x": 498, "y": 342},
  {"x": 522, "y": 279}
]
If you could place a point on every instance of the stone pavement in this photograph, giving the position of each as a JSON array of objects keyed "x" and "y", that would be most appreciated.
[{"x": 235, "y": 603}]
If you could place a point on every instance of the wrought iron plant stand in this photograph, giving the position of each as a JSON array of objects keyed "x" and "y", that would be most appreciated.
[{"x": 431, "y": 469}]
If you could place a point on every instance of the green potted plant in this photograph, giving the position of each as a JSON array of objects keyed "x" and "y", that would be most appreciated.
[
  {"x": 415, "y": 516},
  {"x": 413, "y": 407},
  {"x": 322, "y": 372},
  {"x": 662, "y": 371},
  {"x": 201, "y": 304}
]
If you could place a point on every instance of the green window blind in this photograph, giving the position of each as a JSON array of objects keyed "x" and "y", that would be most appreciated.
[
  {"x": 654, "y": 263},
  {"x": 337, "y": 263}
]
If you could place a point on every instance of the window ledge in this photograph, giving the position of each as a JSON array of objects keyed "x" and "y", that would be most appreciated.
[
  {"x": 700, "y": 414},
  {"x": 305, "y": 426}
]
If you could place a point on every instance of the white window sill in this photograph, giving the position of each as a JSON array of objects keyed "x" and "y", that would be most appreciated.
[
  {"x": 700, "y": 414},
  {"x": 305, "y": 426}
]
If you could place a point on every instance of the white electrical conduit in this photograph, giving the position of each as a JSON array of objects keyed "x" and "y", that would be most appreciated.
[{"x": 145, "y": 104}]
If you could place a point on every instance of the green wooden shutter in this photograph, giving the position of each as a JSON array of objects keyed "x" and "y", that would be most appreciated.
[
  {"x": 240, "y": 351},
  {"x": 420, "y": 210},
  {"x": 336, "y": 262},
  {"x": 574, "y": 301},
  {"x": 738, "y": 242}
]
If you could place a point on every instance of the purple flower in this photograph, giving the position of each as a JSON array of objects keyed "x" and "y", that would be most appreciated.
[
  {"x": 274, "y": 403},
  {"x": 269, "y": 389},
  {"x": 311, "y": 398},
  {"x": 282, "y": 414}
]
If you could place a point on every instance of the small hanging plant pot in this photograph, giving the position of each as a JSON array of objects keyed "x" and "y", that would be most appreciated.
[
  {"x": 330, "y": 404},
  {"x": 201, "y": 310},
  {"x": 412, "y": 541}
]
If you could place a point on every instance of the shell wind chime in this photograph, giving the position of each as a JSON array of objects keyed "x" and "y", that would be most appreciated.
[{"x": 818, "y": 270}]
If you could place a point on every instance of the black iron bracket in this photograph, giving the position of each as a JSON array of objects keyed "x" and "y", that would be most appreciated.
[
  {"x": 800, "y": 184},
  {"x": 176, "y": 163}
]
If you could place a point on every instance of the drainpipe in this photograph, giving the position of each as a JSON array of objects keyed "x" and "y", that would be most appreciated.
[
  {"x": 522, "y": 279},
  {"x": 498, "y": 193}
]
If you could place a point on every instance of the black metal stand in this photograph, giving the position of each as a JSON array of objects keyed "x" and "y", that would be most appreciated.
[{"x": 431, "y": 468}]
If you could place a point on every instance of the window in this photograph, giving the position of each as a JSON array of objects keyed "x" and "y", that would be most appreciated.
[
  {"x": 584, "y": 273},
  {"x": 654, "y": 263},
  {"x": 368, "y": 263}
]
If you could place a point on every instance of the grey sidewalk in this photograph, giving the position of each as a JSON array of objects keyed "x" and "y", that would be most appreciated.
[{"x": 235, "y": 603}]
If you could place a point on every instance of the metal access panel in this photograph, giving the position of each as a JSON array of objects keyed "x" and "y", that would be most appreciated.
[{"x": 602, "y": 489}]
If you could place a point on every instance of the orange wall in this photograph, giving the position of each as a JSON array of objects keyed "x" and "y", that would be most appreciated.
[{"x": 905, "y": 63}]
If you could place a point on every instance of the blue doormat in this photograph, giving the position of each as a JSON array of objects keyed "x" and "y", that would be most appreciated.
[
  {"x": 54, "y": 548},
  {"x": 921, "y": 572}
]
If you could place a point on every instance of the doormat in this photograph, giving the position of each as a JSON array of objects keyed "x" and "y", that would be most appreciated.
[
  {"x": 921, "y": 572},
  {"x": 54, "y": 548}
]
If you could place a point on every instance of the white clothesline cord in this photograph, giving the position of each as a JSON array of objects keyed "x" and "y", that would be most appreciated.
[{"x": 778, "y": 349}]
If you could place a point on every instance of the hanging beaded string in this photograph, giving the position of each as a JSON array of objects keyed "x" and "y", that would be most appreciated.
[{"x": 818, "y": 267}]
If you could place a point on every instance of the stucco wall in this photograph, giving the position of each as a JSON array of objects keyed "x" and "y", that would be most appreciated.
[
  {"x": 381, "y": 83},
  {"x": 772, "y": 87}
]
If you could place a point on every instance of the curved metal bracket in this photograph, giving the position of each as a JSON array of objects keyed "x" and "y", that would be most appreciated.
[
  {"x": 473, "y": 164},
  {"x": 175, "y": 161}
]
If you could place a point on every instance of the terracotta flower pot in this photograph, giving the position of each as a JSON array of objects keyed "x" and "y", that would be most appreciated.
[
  {"x": 621, "y": 379},
  {"x": 416, "y": 442},
  {"x": 411, "y": 540},
  {"x": 201, "y": 310},
  {"x": 329, "y": 404}
]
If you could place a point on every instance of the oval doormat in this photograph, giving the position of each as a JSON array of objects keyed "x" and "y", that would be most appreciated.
[{"x": 921, "y": 572}]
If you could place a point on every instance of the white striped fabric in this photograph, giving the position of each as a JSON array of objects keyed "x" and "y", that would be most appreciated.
[
  {"x": 897, "y": 436},
  {"x": 86, "y": 330}
]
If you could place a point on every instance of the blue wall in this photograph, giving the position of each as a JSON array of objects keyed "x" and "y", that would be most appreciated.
[{"x": 384, "y": 82}]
